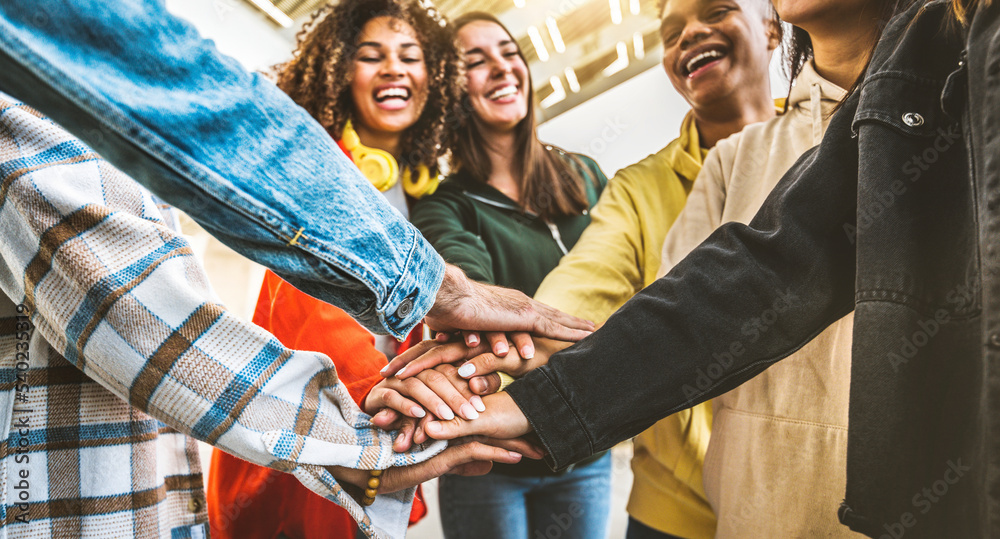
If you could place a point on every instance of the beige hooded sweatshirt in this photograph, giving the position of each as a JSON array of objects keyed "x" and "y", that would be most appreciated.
[{"x": 776, "y": 461}]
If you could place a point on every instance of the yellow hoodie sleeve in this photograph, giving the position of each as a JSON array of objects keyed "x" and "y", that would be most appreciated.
[{"x": 603, "y": 270}]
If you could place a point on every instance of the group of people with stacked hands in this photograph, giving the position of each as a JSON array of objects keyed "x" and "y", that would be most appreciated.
[{"x": 794, "y": 307}]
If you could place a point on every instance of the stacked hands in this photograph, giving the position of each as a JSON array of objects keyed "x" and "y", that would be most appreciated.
[{"x": 447, "y": 388}]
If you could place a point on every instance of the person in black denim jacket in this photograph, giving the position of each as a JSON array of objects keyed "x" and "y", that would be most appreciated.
[{"x": 896, "y": 215}]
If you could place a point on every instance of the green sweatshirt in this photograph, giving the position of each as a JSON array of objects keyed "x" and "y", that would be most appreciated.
[{"x": 482, "y": 231}]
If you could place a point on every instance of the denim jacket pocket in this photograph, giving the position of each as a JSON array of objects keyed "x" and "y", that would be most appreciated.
[{"x": 907, "y": 104}]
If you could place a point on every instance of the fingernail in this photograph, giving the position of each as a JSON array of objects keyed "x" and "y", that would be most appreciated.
[
  {"x": 502, "y": 348},
  {"x": 432, "y": 427},
  {"x": 445, "y": 413},
  {"x": 384, "y": 370},
  {"x": 400, "y": 372},
  {"x": 400, "y": 438},
  {"x": 515, "y": 455},
  {"x": 467, "y": 370},
  {"x": 417, "y": 412},
  {"x": 473, "y": 340},
  {"x": 469, "y": 412},
  {"x": 527, "y": 352},
  {"x": 477, "y": 403}
]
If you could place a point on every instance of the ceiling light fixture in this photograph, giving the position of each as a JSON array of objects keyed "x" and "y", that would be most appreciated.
[
  {"x": 557, "y": 40},
  {"x": 633, "y": 6},
  {"x": 574, "y": 84},
  {"x": 536, "y": 41},
  {"x": 557, "y": 95},
  {"x": 620, "y": 63},
  {"x": 616, "y": 11},
  {"x": 273, "y": 12},
  {"x": 639, "y": 46}
]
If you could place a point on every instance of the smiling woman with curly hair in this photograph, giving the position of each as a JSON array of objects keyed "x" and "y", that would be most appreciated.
[
  {"x": 379, "y": 75},
  {"x": 319, "y": 76}
]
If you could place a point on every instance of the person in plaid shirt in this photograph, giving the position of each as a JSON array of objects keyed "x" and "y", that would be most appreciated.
[{"x": 115, "y": 354}]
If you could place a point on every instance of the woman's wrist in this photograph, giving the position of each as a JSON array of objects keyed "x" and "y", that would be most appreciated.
[{"x": 349, "y": 476}]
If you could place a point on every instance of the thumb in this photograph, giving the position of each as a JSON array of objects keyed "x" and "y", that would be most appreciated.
[{"x": 485, "y": 385}]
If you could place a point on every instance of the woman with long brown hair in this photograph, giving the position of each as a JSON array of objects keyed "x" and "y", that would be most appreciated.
[{"x": 512, "y": 208}]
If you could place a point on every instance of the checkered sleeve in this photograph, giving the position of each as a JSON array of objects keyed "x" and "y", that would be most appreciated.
[{"x": 123, "y": 298}]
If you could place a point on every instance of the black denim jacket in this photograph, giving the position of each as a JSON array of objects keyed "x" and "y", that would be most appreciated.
[{"x": 880, "y": 218}]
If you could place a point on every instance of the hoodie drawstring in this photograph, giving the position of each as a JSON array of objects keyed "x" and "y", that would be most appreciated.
[{"x": 816, "y": 105}]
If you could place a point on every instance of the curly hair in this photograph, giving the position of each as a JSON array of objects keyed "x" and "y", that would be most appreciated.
[{"x": 318, "y": 77}]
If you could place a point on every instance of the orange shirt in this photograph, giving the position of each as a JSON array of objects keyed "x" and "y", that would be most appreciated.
[{"x": 246, "y": 500}]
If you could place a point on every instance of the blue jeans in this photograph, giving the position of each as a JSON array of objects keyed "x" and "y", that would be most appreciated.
[
  {"x": 144, "y": 90},
  {"x": 574, "y": 505}
]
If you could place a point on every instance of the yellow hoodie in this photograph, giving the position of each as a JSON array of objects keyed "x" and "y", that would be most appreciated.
[{"x": 618, "y": 255}]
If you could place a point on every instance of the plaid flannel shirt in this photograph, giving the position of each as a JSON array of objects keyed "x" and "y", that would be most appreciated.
[{"x": 114, "y": 350}]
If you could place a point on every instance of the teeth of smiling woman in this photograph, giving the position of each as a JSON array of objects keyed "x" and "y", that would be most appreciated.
[
  {"x": 707, "y": 54},
  {"x": 503, "y": 92},
  {"x": 392, "y": 92}
]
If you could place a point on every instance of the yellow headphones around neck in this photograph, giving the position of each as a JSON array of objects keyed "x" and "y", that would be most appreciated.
[{"x": 380, "y": 167}]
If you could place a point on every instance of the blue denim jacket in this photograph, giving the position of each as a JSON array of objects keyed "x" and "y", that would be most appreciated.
[{"x": 147, "y": 92}]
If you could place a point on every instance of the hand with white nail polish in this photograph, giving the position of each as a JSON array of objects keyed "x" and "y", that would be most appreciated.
[
  {"x": 440, "y": 391},
  {"x": 480, "y": 360},
  {"x": 481, "y": 369},
  {"x": 501, "y": 420}
]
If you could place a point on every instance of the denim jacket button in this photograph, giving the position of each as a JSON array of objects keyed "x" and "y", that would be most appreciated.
[
  {"x": 995, "y": 340},
  {"x": 913, "y": 119},
  {"x": 405, "y": 308}
]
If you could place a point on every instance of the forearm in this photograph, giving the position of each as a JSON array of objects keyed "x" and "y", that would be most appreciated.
[
  {"x": 227, "y": 147},
  {"x": 123, "y": 299},
  {"x": 747, "y": 297},
  {"x": 186, "y": 361}
]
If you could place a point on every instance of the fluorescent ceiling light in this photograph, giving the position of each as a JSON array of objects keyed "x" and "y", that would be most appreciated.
[
  {"x": 536, "y": 41},
  {"x": 619, "y": 64},
  {"x": 639, "y": 46},
  {"x": 273, "y": 12},
  {"x": 557, "y": 95},
  {"x": 557, "y": 40},
  {"x": 616, "y": 11},
  {"x": 574, "y": 84}
]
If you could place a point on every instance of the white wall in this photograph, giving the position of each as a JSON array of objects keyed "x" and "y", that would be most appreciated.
[{"x": 238, "y": 29}]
